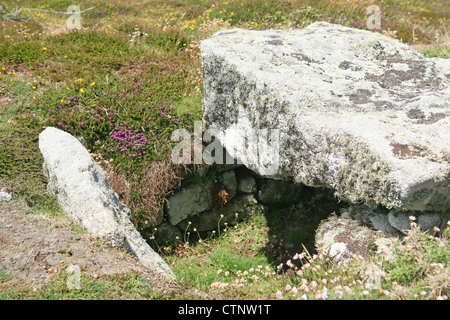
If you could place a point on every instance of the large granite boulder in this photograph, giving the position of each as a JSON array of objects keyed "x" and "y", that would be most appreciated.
[
  {"x": 85, "y": 195},
  {"x": 333, "y": 106}
]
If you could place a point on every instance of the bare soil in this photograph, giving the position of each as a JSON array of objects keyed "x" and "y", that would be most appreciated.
[{"x": 34, "y": 247}]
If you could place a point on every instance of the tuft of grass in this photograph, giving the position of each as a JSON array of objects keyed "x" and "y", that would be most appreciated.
[
  {"x": 5, "y": 276},
  {"x": 106, "y": 287},
  {"x": 439, "y": 51}
]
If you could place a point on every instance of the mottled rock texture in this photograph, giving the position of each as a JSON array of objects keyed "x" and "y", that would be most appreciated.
[
  {"x": 355, "y": 111},
  {"x": 85, "y": 195},
  {"x": 5, "y": 196}
]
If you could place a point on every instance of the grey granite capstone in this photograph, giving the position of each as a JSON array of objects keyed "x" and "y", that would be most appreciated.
[{"x": 333, "y": 106}]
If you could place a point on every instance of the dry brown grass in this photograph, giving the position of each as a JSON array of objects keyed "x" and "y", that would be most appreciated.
[
  {"x": 441, "y": 39},
  {"x": 120, "y": 185},
  {"x": 159, "y": 180}
]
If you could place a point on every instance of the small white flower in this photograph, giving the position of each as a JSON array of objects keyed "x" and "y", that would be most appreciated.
[
  {"x": 279, "y": 295},
  {"x": 339, "y": 294},
  {"x": 294, "y": 291}
]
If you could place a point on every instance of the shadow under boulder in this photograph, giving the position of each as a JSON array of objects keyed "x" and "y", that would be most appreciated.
[{"x": 216, "y": 197}]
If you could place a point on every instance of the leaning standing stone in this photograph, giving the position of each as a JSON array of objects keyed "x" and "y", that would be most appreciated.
[{"x": 85, "y": 195}]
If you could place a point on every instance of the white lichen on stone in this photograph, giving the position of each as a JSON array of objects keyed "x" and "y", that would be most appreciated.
[{"x": 356, "y": 111}]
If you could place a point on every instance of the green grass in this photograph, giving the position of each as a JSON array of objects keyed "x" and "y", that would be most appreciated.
[
  {"x": 153, "y": 47},
  {"x": 227, "y": 253},
  {"x": 4, "y": 275},
  {"x": 219, "y": 266},
  {"x": 107, "y": 287},
  {"x": 235, "y": 265},
  {"x": 439, "y": 51}
]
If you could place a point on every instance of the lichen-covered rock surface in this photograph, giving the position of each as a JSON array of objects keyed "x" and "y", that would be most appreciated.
[
  {"x": 355, "y": 111},
  {"x": 86, "y": 196},
  {"x": 5, "y": 196},
  {"x": 343, "y": 239}
]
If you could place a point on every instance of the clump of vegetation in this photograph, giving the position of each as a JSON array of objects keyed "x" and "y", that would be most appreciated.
[{"x": 412, "y": 268}]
